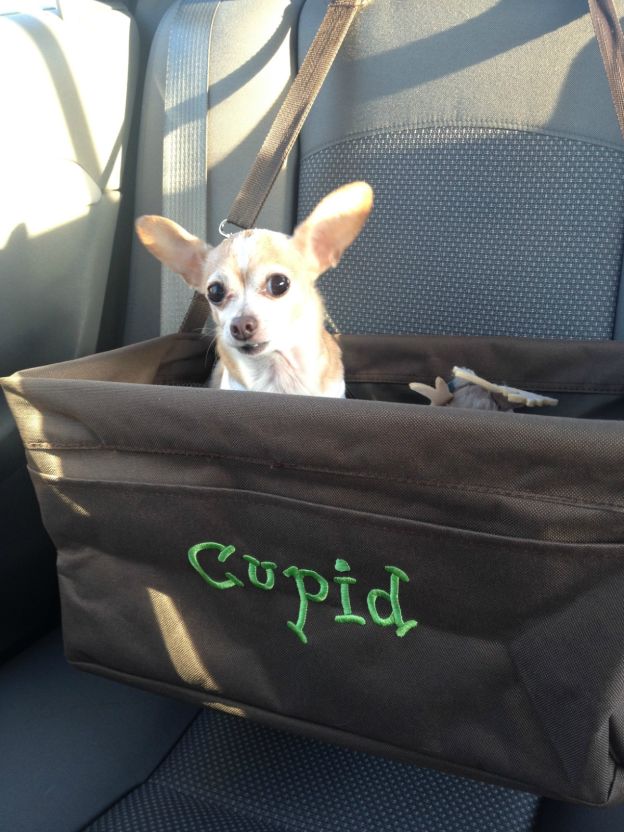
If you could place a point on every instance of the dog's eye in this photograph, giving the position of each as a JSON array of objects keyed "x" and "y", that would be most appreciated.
[
  {"x": 216, "y": 292},
  {"x": 277, "y": 285}
]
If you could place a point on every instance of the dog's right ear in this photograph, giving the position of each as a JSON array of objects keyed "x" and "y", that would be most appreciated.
[
  {"x": 180, "y": 251},
  {"x": 334, "y": 224}
]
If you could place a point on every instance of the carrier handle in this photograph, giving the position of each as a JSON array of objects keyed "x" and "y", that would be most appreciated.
[
  {"x": 610, "y": 39},
  {"x": 284, "y": 131}
]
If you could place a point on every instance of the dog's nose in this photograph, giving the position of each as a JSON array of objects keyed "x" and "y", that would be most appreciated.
[{"x": 243, "y": 328}]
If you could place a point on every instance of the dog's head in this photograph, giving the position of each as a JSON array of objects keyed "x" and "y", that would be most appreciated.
[{"x": 261, "y": 284}]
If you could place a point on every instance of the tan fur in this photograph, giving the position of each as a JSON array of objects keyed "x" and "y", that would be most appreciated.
[
  {"x": 225, "y": 361},
  {"x": 295, "y": 352},
  {"x": 169, "y": 242}
]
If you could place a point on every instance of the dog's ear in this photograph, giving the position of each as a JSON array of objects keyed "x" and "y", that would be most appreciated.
[
  {"x": 180, "y": 251},
  {"x": 334, "y": 224}
]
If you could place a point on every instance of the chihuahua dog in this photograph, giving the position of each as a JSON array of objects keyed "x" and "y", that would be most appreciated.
[{"x": 269, "y": 316}]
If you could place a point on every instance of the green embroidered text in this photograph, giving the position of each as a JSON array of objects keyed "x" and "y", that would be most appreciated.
[{"x": 311, "y": 587}]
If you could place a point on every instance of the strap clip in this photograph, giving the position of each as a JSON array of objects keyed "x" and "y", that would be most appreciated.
[{"x": 224, "y": 233}]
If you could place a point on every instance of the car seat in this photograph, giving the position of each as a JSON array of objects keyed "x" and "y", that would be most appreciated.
[{"x": 487, "y": 130}]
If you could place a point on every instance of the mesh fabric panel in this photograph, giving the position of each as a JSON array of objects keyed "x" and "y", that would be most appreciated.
[
  {"x": 476, "y": 231},
  {"x": 230, "y": 773}
]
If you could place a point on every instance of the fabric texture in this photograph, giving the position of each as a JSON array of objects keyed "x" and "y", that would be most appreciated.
[
  {"x": 476, "y": 231},
  {"x": 232, "y": 775}
]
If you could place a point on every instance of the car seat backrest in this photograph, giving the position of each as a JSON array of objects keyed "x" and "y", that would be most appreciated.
[
  {"x": 489, "y": 135},
  {"x": 487, "y": 130},
  {"x": 67, "y": 94},
  {"x": 66, "y": 97}
]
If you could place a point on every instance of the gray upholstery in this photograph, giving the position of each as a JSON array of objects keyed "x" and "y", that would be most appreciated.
[
  {"x": 73, "y": 743},
  {"x": 488, "y": 132},
  {"x": 66, "y": 99},
  {"x": 231, "y": 774},
  {"x": 478, "y": 63},
  {"x": 532, "y": 70},
  {"x": 476, "y": 231},
  {"x": 69, "y": 104}
]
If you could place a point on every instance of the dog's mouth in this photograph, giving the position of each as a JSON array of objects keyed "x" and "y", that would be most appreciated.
[{"x": 253, "y": 349}]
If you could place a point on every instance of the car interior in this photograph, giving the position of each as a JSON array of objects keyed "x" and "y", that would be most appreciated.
[{"x": 487, "y": 130}]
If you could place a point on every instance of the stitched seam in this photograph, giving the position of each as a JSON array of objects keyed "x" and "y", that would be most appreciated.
[
  {"x": 231, "y": 494},
  {"x": 543, "y": 727},
  {"x": 494, "y": 124},
  {"x": 529, "y": 495}
]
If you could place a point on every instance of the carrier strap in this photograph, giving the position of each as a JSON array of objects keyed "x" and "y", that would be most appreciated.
[
  {"x": 293, "y": 112},
  {"x": 284, "y": 131},
  {"x": 611, "y": 42}
]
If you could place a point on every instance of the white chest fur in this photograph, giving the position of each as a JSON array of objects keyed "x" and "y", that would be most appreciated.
[{"x": 266, "y": 380}]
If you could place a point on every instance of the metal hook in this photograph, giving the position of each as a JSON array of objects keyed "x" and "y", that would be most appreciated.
[{"x": 225, "y": 233}]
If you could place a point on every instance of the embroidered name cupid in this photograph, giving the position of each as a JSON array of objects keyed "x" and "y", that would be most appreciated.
[{"x": 311, "y": 587}]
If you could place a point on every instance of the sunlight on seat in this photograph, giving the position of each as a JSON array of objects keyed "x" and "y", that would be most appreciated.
[
  {"x": 178, "y": 642},
  {"x": 55, "y": 193}
]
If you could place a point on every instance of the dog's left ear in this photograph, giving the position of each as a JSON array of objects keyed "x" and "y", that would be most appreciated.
[{"x": 334, "y": 224}]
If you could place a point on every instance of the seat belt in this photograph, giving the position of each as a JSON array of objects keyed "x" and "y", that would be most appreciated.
[
  {"x": 184, "y": 144},
  {"x": 283, "y": 132}
]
